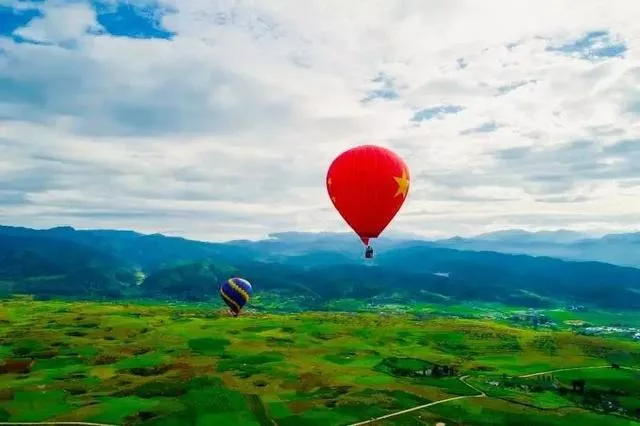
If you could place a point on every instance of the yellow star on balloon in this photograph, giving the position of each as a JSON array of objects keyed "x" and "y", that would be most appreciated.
[{"x": 403, "y": 184}]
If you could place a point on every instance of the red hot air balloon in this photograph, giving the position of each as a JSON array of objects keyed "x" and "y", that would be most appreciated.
[{"x": 367, "y": 185}]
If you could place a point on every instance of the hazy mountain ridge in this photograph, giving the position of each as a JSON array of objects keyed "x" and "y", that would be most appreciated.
[
  {"x": 104, "y": 263},
  {"x": 618, "y": 249}
]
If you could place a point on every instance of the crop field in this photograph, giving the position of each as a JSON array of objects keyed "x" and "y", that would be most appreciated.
[
  {"x": 596, "y": 317},
  {"x": 129, "y": 364}
]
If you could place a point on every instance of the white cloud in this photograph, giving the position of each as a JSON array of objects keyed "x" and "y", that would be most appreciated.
[
  {"x": 227, "y": 130},
  {"x": 61, "y": 22}
]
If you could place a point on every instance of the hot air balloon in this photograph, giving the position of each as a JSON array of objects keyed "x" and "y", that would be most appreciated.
[
  {"x": 236, "y": 292},
  {"x": 367, "y": 185}
]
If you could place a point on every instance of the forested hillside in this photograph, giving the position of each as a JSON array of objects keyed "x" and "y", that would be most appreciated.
[{"x": 117, "y": 264}]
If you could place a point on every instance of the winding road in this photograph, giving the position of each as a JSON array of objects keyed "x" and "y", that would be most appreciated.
[
  {"x": 480, "y": 394},
  {"x": 420, "y": 407},
  {"x": 524, "y": 376}
]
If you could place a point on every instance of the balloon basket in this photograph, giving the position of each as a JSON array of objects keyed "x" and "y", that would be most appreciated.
[{"x": 368, "y": 253}]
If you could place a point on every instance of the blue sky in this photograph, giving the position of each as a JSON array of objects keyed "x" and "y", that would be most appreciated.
[{"x": 217, "y": 119}]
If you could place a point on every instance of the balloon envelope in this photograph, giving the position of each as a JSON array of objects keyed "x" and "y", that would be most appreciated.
[
  {"x": 367, "y": 185},
  {"x": 236, "y": 292}
]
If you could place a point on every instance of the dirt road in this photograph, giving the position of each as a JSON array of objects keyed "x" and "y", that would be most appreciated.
[{"x": 420, "y": 407}]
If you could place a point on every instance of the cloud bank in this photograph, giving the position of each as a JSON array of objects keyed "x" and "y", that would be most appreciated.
[{"x": 218, "y": 119}]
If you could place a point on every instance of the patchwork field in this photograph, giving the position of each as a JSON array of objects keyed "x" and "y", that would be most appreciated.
[{"x": 129, "y": 364}]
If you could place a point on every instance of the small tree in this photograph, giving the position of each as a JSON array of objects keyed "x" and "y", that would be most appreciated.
[{"x": 578, "y": 385}]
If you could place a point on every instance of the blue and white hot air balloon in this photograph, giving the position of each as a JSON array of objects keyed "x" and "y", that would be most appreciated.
[{"x": 236, "y": 292}]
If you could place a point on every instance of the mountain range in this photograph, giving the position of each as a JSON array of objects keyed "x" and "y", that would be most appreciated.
[
  {"x": 618, "y": 249},
  {"x": 320, "y": 267}
]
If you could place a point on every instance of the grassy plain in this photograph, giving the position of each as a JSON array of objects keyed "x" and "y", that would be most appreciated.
[
  {"x": 158, "y": 365},
  {"x": 497, "y": 311}
]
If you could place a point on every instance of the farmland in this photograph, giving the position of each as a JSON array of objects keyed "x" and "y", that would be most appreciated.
[{"x": 134, "y": 364}]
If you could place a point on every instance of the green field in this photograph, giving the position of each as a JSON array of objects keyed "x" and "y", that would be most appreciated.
[
  {"x": 180, "y": 365},
  {"x": 596, "y": 317}
]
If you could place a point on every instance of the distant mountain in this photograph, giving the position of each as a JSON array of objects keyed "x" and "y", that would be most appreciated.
[
  {"x": 112, "y": 264},
  {"x": 145, "y": 252},
  {"x": 50, "y": 265},
  {"x": 617, "y": 249},
  {"x": 518, "y": 235}
]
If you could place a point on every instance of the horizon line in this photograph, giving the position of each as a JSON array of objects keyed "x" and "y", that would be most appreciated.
[{"x": 391, "y": 235}]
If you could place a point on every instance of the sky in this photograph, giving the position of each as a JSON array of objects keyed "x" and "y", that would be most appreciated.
[{"x": 218, "y": 119}]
